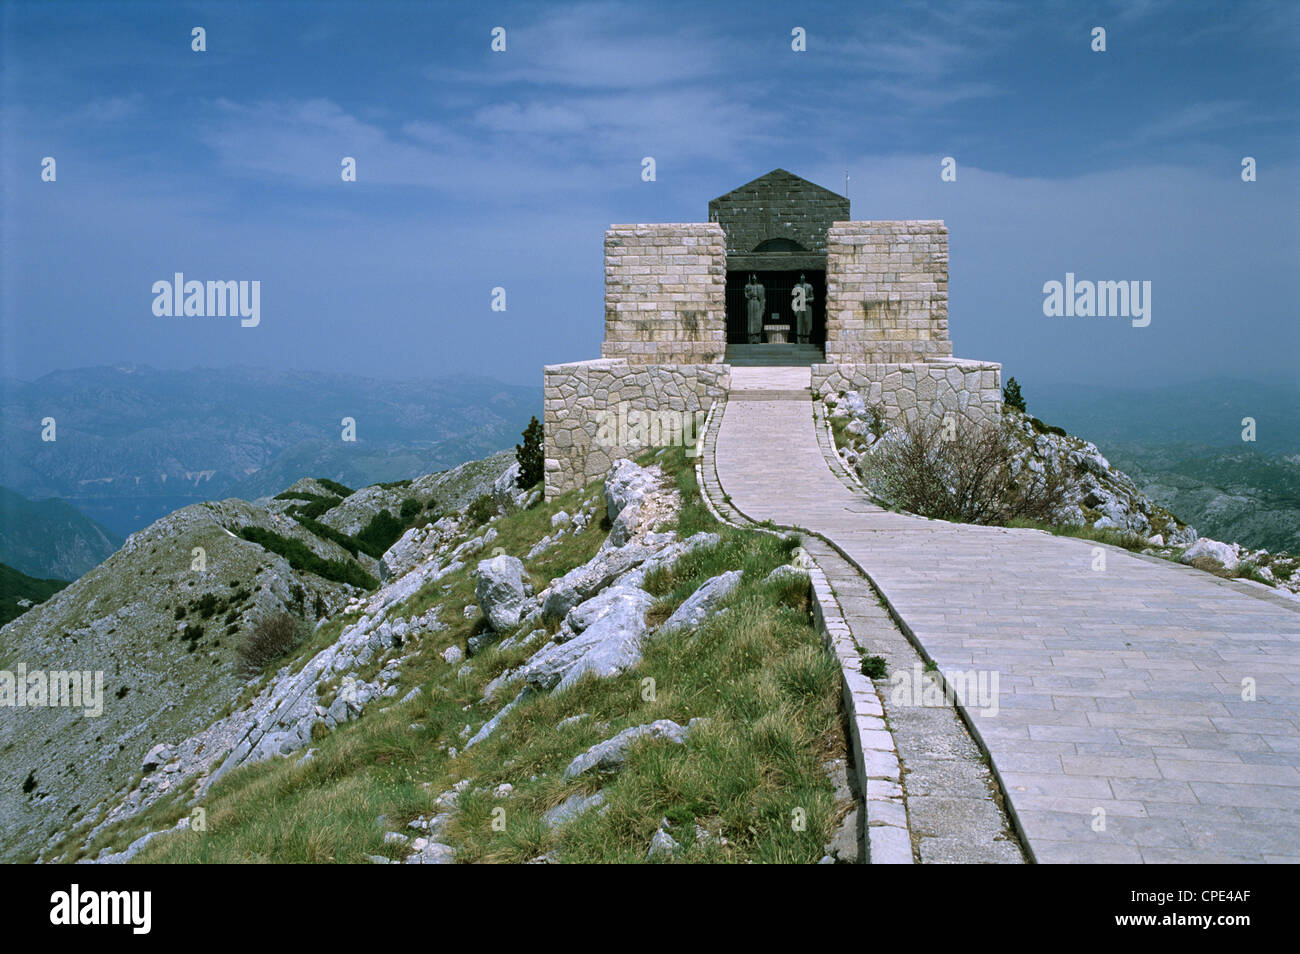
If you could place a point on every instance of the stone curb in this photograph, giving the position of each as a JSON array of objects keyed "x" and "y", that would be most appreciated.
[
  {"x": 833, "y": 460},
  {"x": 876, "y": 763}
]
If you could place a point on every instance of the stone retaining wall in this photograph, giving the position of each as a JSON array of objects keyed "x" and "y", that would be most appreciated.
[
  {"x": 972, "y": 389},
  {"x": 887, "y": 292},
  {"x": 665, "y": 293},
  {"x": 599, "y": 411}
]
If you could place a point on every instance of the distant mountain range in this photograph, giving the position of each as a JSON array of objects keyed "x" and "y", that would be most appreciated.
[
  {"x": 1183, "y": 447},
  {"x": 134, "y": 443},
  {"x": 51, "y": 538}
]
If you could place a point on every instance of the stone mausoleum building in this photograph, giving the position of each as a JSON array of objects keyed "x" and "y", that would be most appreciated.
[{"x": 779, "y": 275}]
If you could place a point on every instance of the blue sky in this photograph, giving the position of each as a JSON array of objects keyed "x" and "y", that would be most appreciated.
[{"x": 479, "y": 169}]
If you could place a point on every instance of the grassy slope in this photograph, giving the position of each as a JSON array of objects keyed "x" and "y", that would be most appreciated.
[{"x": 753, "y": 775}]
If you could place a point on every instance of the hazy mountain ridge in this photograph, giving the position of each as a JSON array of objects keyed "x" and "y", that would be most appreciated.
[
  {"x": 51, "y": 538},
  {"x": 18, "y": 592},
  {"x": 1182, "y": 445},
  {"x": 135, "y": 443}
]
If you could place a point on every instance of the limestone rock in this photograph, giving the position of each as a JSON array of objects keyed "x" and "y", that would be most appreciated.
[
  {"x": 610, "y": 643},
  {"x": 500, "y": 590},
  {"x": 786, "y": 572},
  {"x": 433, "y": 853},
  {"x": 663, "y": 845},
  {"x": 609, "y": 756},
  {"x": 571, "y": 808},
  {"x": 701, "y": 604},
  {"x": 626, "y": 482},
  {"x": 1228, "y": 555}
]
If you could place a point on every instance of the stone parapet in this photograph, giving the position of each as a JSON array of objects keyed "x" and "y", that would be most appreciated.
[
  {"x": 599, "y": 411},
  {"x": 970, "y": 389}
]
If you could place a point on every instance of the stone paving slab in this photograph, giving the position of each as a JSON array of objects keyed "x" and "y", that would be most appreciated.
[{"x": 1134, "y": 673}]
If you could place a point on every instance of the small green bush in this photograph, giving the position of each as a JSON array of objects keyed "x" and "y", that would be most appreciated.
[
  {"x": 208, "y": 605},
  {"x": 410, "y": 509},
  {"x": 874, "y": 667},
  {"x": 1011, "y": 395},
  {"x": 482, "y": 510}
]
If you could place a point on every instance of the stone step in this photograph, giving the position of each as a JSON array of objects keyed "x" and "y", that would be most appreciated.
[{"x": 774, "y": 355}]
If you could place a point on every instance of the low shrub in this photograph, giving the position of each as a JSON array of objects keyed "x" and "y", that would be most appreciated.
[
  {"x": 964, "y": 474},
  {"x": 334, "y": 487},
  {"x": 481, "y": 510},
  {"x": 301, "y": 558},
  {"x": 270, "y": 640}
]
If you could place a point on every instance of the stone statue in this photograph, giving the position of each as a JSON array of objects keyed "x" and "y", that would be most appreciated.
[
  {"x": 756, "y": 302},
  {"x": 802, "y": 316}
]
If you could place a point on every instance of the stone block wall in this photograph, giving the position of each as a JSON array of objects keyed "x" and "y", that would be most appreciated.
[
  {"x": 665, "y": 293},
  {"x": 599, "y": 411},
  {"x": 970, "y": 389},
  {"x": 887, "y": 292}
]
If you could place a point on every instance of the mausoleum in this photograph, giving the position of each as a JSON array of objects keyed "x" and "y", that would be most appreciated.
[{"x": 779, "y": 275}]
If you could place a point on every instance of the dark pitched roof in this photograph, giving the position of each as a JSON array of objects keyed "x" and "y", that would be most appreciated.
[{"x": 778, "y": 180}]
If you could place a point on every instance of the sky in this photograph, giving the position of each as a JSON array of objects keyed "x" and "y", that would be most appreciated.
[{"x": 479, "y": 169}]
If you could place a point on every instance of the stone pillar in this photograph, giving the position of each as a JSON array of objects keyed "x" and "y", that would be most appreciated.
[
  {"x": 665, "y": 293},
  {"x": 887, "y": 292}
]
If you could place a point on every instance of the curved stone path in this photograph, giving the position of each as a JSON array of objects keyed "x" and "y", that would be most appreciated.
[{"x": 1121, "y": 730}]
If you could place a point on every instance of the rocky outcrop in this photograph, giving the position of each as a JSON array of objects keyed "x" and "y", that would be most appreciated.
[
  {"x": 607, "y": 647},
  {"x": 1226, "y": 555},
  {"x": 571, "y": 808}
]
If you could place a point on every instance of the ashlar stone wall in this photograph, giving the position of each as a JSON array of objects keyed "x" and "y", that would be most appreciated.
[
  {"x": 599, "y": 411},
  {"x": 887, "y": 292},
  {"x": 665, "y": 293},
  {"x": 969, "y": 389}
]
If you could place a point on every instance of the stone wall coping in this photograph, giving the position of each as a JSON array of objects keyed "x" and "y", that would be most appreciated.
[
  {"x": 889, "y": 223},
  {"x": 664, "y": 226},
  {"x": 973, "y": 364},
  {"x": 595, "y": 363}
]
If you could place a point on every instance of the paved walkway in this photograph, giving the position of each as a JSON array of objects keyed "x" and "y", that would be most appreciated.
[{"x": 1120, "y": 733}]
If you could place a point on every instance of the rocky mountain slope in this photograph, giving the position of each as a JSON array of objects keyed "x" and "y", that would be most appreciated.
[
  {"x": 611, "y": 676},
  {"x": 1238, "y": 494},
  {"x": 51, "y": 538},
  {"x": 1183, "y": 446},
  {"x": 162, "y": 620}
]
